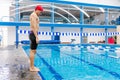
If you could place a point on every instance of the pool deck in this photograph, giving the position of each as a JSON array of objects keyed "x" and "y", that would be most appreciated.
[{"x": 14, "y": 65}]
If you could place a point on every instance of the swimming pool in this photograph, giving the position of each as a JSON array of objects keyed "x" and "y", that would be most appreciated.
[{"x": 75, "y": 62}]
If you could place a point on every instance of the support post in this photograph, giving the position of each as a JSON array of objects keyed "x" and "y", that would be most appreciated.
[
  {"x": 52, "y": 21},
  {"x": 81, "y": 22},
  {"x": 17, "y": 19},
  {"x": 106, "y": 23}
]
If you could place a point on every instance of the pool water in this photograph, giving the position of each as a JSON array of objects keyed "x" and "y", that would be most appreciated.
[{"x": 57, "y": 62}]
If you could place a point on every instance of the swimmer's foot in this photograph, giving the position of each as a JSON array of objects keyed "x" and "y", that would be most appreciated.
[{"x": 34, "y": 69}]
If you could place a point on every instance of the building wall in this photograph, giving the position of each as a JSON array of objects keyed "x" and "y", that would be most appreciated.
[
  {"x": 9, "y": 32},
  {"x": 94, "y": 39},
  {"x": 4, "y": 6}
]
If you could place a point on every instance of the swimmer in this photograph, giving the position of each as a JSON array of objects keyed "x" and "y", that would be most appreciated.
[{"x": 33, "y": 36}]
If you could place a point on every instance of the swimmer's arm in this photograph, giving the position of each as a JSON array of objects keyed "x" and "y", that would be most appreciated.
[{"x": 34, "y": 26}]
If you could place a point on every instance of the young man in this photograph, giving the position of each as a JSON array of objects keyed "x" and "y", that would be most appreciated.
[{"x": 33, "y": 36}]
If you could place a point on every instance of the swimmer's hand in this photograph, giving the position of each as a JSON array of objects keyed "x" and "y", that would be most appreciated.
[{"x": 37, "y": 40}]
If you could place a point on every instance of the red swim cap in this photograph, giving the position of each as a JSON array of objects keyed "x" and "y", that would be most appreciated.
[{"x": 39, "y": 7}]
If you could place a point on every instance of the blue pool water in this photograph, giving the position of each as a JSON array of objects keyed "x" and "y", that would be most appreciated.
[{"x": 57, "y": 62}]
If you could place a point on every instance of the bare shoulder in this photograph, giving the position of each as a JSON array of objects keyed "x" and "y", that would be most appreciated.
[{"x": 32, "y": 16}]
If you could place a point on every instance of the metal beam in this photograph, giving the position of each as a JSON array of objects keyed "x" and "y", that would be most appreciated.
[
  {"x": 79, "y": 3},
  {"x": 56, "y": 25}
]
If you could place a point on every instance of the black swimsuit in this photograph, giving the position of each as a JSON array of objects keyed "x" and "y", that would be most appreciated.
[{"x": 33, "y": 44}]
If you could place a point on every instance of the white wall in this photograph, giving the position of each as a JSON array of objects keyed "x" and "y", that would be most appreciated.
[
  {"x": 96, "y": 30},
  {"x": 94, "y": 38},
  {"x": 41, "y": 37},
  {"x": 11, "y": 35},
  {"x": 111, "y": 30},
  {"x": 103, "y": 2},
  {"x": 4, "y": 6},
  {"x": 68, "y": 38},
  {"x": 47, "y": 37}
]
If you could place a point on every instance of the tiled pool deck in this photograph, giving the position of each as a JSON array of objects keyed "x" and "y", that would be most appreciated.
[{"x": 14, "y": 65}]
